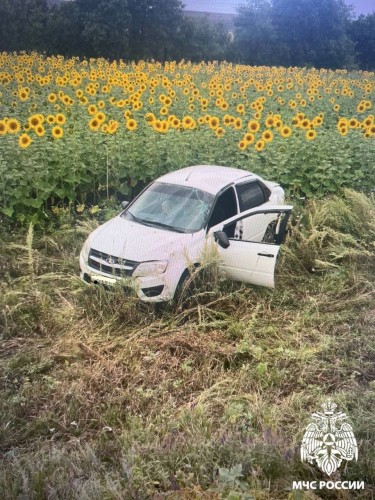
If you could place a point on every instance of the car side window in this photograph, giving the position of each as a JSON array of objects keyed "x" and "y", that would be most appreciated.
[
  {"x": 269, "y": 227},
  {"x": 225, "y": 207},
  {"x": 251, "y": 194}
]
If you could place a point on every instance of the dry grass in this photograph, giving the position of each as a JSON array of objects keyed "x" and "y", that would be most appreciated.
[{"x": 103, "y": 397}]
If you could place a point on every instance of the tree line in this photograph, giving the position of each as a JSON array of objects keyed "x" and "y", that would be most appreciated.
[{"x": 319, "y": 33}]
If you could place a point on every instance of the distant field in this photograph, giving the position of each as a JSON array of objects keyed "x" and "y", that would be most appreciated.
[{"x": 83, "y": 131}]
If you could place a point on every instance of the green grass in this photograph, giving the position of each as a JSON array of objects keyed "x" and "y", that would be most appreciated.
[{"x": 104, "y": 397}]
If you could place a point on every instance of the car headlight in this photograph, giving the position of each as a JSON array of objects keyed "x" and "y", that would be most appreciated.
[
  {"x": 150, "y": 268},
  {"x": 86, "y": 249}
]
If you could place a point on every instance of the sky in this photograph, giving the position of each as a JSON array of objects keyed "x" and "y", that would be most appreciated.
[
  {"x": 362, "y": 6},
  {"x": 230, "y": 6},
  {"x": 220, "y": 6}
]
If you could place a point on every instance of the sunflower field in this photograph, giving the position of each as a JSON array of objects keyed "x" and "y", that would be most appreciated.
[{"x": 80, "y": 131}]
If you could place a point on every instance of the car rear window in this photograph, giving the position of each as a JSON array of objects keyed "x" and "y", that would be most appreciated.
[{"x": 251, "y": 195}]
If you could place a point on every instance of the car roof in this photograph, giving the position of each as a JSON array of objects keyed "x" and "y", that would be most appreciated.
[{"x": 210, "y": 178}]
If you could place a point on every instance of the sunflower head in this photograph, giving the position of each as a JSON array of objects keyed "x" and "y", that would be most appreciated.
[
  {"x": 57, "y": 132},
  {"x": 343, "y": 130},
  {"x": 164, "y": 126},
  {"x": 13, "y": 126},
  {"x": 24, "y": 141},
  {"x": 214, "y": 122},
  {"x": 285, "y": 131},
  {"x": 34, "y": 121},
  {"x": 187, "y": 122},
  {"x": 149, "y": 117},
  {"x": 101, "y": 116},
  {"x": 368, "y": 122},
  {"x": 92, "y": 109},
  {"x": 3, "y": 127},
  {"x": 249, "y": 137},
  {"x": 40, "y": 131},
  {"x": 23, "y": 95},
  {"x": 253, "y": 126},
  {"x": 310, "y": 135},
  {"x": 60, "y": 119},
  {"x": 270, "y": 121},
  {"x": 157, "y": 125},
  {"x": 131, "y": 124},
  {"x": 259, "y": 146},
  {"x": 94, "y": 124},
  {"x": 237, "y": 124},
  {"x": 219, "y": 132},
  {"x": 267, "y": 136}
]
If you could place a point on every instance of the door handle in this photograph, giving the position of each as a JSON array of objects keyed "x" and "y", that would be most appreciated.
[{"x": 266, "y": 254}]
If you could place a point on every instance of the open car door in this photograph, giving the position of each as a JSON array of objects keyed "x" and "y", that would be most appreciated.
[{"x": 252, "y": 261}]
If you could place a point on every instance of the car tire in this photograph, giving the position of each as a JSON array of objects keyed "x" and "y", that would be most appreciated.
[
  {"x": 183, "y": 291},
  {"x": 179, "y": 293}
]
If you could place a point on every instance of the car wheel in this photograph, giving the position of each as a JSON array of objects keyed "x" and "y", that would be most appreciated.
[
  {"x": 185, "y": 287},
  {"x": 182, "y": 286}
]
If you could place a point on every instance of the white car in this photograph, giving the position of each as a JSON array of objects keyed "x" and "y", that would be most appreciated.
[{"x": 163, "y": 232}]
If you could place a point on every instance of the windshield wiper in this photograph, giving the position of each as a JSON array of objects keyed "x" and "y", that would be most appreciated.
[
  {"x": 152, "y": 223},
  {"x": 134, "y": 217},
  {"x": 160, "y": 224}
]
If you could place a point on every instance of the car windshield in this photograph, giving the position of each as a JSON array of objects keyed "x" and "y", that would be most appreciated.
[{"x": 178, "y": 208}]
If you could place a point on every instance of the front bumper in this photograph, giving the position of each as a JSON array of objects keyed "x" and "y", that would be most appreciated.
[{"x": 147, "y": 288}]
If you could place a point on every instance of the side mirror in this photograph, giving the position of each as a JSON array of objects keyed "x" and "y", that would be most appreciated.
[
  {"x": 222, "y": 239},
  {"x": 124, "y": 204}
]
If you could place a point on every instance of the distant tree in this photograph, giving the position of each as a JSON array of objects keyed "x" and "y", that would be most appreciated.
[
  {"x": 127, "y": 29},
  {"x": 153, "y": 27},
  {"x": 362, "y": 33},
  {"x": 201, "y": 40},
  {"x": 64, "y": 30},
  {"x": 314, "y": 32},
  {"x": 256, "y": 39},
  {"x": 105, "y": 26},
  {"x": 91, "y": 28},
  {"x": 23, "y": 24}
]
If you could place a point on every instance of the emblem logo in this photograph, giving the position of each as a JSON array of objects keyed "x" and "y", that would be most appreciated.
[
  {"x": 329, "y": 439},
  {"x": 110, "y": 260}
]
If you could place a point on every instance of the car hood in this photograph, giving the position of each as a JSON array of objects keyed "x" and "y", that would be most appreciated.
[{"x": 130, "y": 240}]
